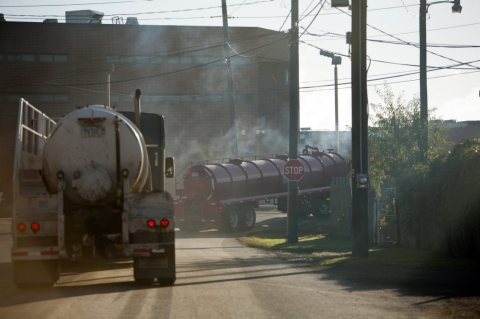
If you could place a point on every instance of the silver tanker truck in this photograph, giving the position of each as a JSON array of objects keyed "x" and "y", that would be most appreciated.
[{"x": 91, "y": 186}]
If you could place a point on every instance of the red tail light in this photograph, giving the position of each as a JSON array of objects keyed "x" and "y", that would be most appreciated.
[
  {"x": 220, "y": 207},
  {"x": 151, "y": 223},
  {"x": 35, "y": 226},
  {"x": 164, "y": 222},
  {"x": 21, "y": 227}
]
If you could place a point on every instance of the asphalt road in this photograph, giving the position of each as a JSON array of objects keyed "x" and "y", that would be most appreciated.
[{"x": 217, "y": 277}]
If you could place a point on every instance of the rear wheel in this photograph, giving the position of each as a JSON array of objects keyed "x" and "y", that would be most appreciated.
[
  {"x": 232, "y": 219},
  {"x": 143, "y": 281},
  {"x": 166, "y": 281},
  {"x": 321, "y": 209},
  {"x": 36, "y": 273},
  {"x": 248, "y": 218}
]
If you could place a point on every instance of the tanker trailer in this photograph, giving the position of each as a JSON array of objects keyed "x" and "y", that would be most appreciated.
[
  {"x": 91, "y": 186},
  {"x": 226, "y": 194}
]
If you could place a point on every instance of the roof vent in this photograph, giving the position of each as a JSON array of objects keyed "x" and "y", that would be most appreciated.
[
  {"x": 132, "y": 21},
  {"x": 2, "y": 18},
  {"x": 83, "y": 16},
  {"x": 50, "y": 21}
]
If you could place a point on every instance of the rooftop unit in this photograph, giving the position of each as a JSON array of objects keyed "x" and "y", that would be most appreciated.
[{"x": 83, "y": 16}]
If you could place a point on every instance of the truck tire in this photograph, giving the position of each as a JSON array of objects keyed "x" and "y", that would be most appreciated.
[
  {"x": 36, "y": 273},
  {"x": 231, "y": 219},
  {"x": 321, "y": 210},
  {"x": 166, "y": 281},
  {"x": 143, "y": 281},
  {"x": 248, "y": 218}
]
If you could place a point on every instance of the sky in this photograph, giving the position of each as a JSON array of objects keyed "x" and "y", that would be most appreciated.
[{"x": 454, "y": 93}]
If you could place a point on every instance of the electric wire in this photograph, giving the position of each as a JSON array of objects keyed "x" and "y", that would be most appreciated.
[{"x": 390, "y": 35}]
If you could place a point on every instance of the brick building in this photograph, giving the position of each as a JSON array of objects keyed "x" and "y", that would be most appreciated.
[{"x": 180, "y": 70}]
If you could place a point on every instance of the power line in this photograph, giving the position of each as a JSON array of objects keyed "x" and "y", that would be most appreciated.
[
  {"x": 72, "y": 4},
  {"x": 409, "y": 43}
]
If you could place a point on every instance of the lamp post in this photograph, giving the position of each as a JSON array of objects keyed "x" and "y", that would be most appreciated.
[
  {"x": 336, "y": 60},
  {"x": 456, "y": 8}
]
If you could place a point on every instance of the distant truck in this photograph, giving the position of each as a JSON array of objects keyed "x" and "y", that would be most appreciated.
[
  {"x": 91, "y": 185},
  {"x": 225, "y": 195}
]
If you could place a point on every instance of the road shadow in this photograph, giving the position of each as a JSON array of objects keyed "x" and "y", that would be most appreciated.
[{"x": 414, "y": 282}]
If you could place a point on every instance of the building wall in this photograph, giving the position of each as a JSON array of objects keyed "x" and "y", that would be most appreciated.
[{"x": 179, "y": 69}]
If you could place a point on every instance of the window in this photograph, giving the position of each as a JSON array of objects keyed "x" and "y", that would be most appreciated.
[
  {"x": 45, "y": 58},
  {"x": 28, "y": 58},
  {"x": 60, "y": 58},
  {"x": 60, "y": 97},
  {"x": 126, "y": 59},
  {"x": 216, "y": 60},
  {"x": 211, "y": 98},
  {"x": 186, "y": 60},
  {"x": 201, "y": 60},
  {"x": 156, "y": 60},
  {"x": 156, "y": 99},
  {"x": 142, "y": 59},
  {"x": 114, "y": 98},
  {"x": 172, "y": 98},
  {"x": 13, "y": 97},
  {"x": 245, "y": 98},
  {"x": 45, "y": 97},
  {"x": 173, "y": 60},
  {"x": 145, "y": 99},
  {"x": 240, "y": 60},
  {"x": 126, "y": 98},
  {"x": 186, "y": 98},
  {"x": 14, "y": 58},
  {"x": 112, "y": 59}
]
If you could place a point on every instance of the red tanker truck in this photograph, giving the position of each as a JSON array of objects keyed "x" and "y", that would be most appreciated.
[{"x": 225, "y": 195}]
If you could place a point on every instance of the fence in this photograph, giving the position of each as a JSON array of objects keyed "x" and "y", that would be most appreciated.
[
  {"x": 341, "y": 206},
  {"x": 385, "y": 217}
]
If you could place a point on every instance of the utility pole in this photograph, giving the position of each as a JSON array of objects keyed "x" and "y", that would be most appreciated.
[
  {"x": 292, "y": 233},
  {"x": 423, "y": 145},
  {"x": 360, "y": 182},
  {"x": 230, "y": 94},
  {"x": 336, "y": 108}
]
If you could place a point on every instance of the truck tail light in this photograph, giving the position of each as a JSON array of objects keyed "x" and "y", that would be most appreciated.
[
  {"x": 35, "y": 226},
  {"x": 150, "y": 223},
  {"x": 21, "y": 227},
  {"x": 164, "y": 222},
  {"x": 220, "y": 207}
]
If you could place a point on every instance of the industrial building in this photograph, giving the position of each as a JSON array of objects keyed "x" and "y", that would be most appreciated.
[{"x": 181, "y": 71}]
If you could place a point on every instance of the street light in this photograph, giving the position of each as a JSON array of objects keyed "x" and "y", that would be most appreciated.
[
  {"x": 456, "y": 8},
  {"x": 335, "y": 61}
]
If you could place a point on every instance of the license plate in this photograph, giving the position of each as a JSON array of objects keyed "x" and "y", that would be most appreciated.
[{"x": 92, "y": 131}]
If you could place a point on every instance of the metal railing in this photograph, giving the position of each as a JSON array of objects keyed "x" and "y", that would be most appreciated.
[{"x": 32, "y": 131}]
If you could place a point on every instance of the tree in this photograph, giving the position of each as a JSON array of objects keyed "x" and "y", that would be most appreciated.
[
  {"x": 395, "y": 153},
  {"x": 395, "y": 136}
]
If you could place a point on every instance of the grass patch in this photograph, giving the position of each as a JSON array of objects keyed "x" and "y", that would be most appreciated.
[{"x": 323, "y": 250}]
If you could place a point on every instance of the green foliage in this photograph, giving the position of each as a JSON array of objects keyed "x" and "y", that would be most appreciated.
[
  {"x": 394, "y": 138},
  {"x": 447, "y": 205}
]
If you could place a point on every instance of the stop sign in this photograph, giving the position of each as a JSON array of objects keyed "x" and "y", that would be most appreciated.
[{"x": 294, "y": 170}]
